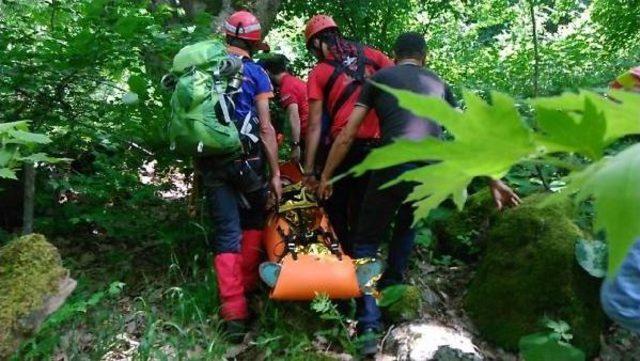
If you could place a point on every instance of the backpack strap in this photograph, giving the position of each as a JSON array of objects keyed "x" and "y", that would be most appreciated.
[
  {"x": 338, "y": 68},
  {"x": 358, "y": 76}
]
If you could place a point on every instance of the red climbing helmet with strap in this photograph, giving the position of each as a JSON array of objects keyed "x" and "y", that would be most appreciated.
[
  {"x": 243, "y": 25},
  {"x": 317, "y": 24}
]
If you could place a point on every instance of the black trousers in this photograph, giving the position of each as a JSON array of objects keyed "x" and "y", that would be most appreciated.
[
  {"x": 236, "y": 193},
  {"x": 344, "y": 205},
  {"x": 380, "y": 209}
]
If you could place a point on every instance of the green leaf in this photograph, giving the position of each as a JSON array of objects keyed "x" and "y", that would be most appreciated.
[
  {"x": 138, "y": 85},
  {"x": 29, "y": 138},
  {"x": 613, "y": 184},
  {"x": 115, "y": 288},
  {"x": 398, "y": 152},
  {"x": 7, "y": 173},
  {"x": 564, "y": 132},
  {"x": 128, "y": 26},
  {"x": 621, "y": 111},
  {"x": 95, "y": 298},
  {"x": 488, "y": 140},
  {"x": 42, "y": 157},
  {"x": 95, "y": 8},
  {"x": 623, "y": 116},
  {"x": 22, "y": 125},
  {"x": 542, "y": 347},
  {"x": 391, "y": 295},
  {"x": 6, "y": 155},
  {"x": 561, "y": 329},
  {"x": 592, "y": 257}
]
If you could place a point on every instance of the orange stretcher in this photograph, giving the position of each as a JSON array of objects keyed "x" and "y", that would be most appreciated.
[{"x": 304, "y": 257}]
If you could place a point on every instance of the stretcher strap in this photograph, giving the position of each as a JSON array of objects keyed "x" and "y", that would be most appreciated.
[{"x": 292, "y": 241}]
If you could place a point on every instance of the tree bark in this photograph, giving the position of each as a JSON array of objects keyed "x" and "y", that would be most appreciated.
[
  {"x": 266, "y": 11},
  {"x": 29, "y": 174}
]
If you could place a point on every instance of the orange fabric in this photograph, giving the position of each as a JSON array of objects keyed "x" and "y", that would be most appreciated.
[
  {"x": 310, "y": 275},
  {"x": 273, "y": 242},
  {"x": 291, "y": 172}
]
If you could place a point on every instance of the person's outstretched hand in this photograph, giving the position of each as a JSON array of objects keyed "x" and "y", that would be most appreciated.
[
  {"x": 325, "y": 189},
  {"x": 276, "y": 188},
  {"x": 310, "y": 182},
  {"x": 503, "y": 195}
]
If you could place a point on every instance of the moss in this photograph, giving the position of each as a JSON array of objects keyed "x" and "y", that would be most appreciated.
[
  {"x": 461, "y": 234},
  {"x": 30, "y": 270},
  {"x": 529, "y": 271},
  {"x": 407, "y": 308}
]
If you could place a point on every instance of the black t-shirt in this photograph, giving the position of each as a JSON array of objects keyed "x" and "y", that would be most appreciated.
[{"x": 396, "y": 122}]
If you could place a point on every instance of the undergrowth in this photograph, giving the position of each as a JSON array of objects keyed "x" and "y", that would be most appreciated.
[{"x": 168, "y": 309}]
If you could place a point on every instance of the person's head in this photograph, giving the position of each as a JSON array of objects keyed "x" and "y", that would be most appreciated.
[
  {"x": 243, "y": 30},
  {"x": 275, "y": 65},
  {"x": 412, "y": 46},
  {"x": 321, "y": 33}
]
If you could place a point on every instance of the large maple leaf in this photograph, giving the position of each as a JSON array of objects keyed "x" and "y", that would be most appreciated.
[{"x": 488, "y": 139}]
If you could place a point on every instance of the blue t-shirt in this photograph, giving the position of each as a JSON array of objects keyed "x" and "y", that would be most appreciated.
[{"x": 255, "y": 82}]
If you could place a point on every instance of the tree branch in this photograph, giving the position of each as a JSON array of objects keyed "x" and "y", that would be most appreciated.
[{"x": 536, "y": 53}]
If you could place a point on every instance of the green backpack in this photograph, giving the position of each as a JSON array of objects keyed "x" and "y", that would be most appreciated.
[{"x": 205, "y": 78}]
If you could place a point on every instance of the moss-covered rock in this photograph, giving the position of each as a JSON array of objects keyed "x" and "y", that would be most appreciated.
[
  {"x": 461, "y": 234},
  {"x": 529, "y": 271},
  {"x": 30, "y": 271},
  {"x": 407, "y": 308}
]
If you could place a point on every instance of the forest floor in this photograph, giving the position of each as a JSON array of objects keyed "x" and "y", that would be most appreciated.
[{"x": 164, "y": 308}]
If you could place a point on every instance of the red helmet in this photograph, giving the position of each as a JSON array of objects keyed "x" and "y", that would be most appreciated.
[
  {"x": 243, "y": 25},
  {"x": 317, "y": 24}
]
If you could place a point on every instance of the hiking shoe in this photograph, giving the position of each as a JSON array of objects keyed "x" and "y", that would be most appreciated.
[
  {"x": 368, "y": 343},
  {"x": 236, "y": 330}
]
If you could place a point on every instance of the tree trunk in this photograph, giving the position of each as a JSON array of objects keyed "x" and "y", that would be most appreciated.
[
  {"x": 29, "y": 194},
  {"x": 265, "y": 10}
]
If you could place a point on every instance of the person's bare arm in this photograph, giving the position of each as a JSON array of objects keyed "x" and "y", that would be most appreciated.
[
  {"x": 294, "y": 121},
  {"x": 314, "y": 131},
  {"x": 340, "y": 148},
  {"x": 268, "y": 137}
]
